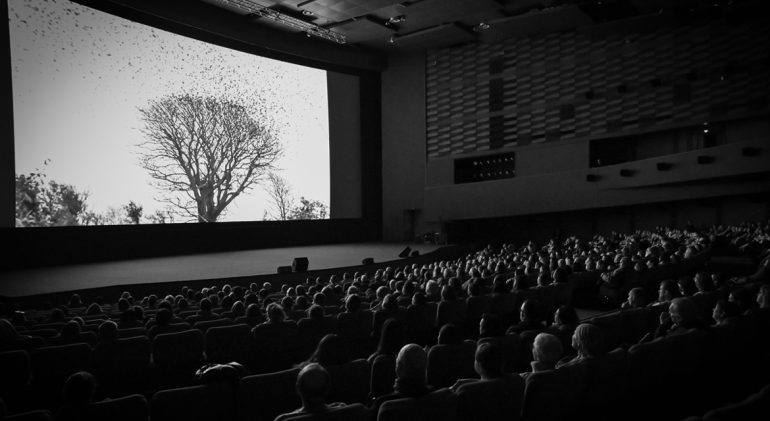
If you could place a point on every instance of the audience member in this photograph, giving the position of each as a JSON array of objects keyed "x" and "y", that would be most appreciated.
[
  {"x": 546, "y": 352},
  {"x": 313, "y": 386}
]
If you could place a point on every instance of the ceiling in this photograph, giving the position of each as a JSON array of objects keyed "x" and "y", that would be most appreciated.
[{"x": 390, "y": 25}]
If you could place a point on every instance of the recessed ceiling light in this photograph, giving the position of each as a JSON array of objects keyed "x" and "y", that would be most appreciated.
[
  {"x": 307, "y": 13},
  {"x": 482, "y": 26}
]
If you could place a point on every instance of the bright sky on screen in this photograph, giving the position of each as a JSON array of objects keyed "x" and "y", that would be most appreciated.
[{"x": 80, "y": 77}]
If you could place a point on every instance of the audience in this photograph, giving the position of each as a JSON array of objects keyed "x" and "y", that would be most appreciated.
[{"x": 411, "y": 365}]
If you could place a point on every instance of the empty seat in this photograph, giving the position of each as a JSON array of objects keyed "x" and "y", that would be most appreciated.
[
  {"x": 126, "y": 408},
  {"x": 440, "y": 405},
  {"x": 122, "y": 367},
  {"x": 554, "y": 394},
  {"x": 498, "y": 399},
  {"x": 228, "y": 343},
  {"x": 383, "y": 375},
  {"x": 53, "y": 364},
  {"x": 262, "y": 397},
  {"x": 354, "y": 412},
  {"x": 350, "y": 382},
  {"x": 447, "y": 363},
  {"x": 176, "y": 356},
  {"x": 212, "y": 402},
  {"x": 15, "y": 367}
]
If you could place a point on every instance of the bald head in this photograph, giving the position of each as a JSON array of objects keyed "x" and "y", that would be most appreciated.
[
  {"x": 313, "y": 384},
  {"x": 411, "y": 362}
]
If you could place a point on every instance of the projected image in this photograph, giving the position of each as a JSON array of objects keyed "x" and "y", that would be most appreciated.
[{"x": 116, "y": 122}]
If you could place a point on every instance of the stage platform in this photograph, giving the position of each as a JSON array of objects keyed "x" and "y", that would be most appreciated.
[{"x": 59, "y": 279}]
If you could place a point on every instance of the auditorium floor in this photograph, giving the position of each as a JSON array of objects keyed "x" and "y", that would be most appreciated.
[{"x": 20, "y": 283}]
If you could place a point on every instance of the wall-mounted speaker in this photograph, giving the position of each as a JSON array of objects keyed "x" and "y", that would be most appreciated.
[
  {"x": 625, "y": 172},
  {"x": 592, "y": 178},
  {"x": 284, "y": 269},
  {"x": 367, "y": 261},
  {"x": 405, "y": 252},
  {"x": 299, "y": 264},
  {"x": 750, "y": 151},
  {"x": 664, "y": 166},
  {"x": 705, "y": 159}
]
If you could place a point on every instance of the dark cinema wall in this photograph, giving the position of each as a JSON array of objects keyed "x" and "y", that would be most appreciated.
[{"x": 573, "y": 85}]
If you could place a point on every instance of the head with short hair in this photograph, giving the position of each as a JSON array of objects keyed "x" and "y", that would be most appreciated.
[
  {"x": 763, "y": 296},
  {"x": 490, "y": 326},
  {"x": 547, "y": 348},
  {"x": 352, "y": 303},
  {"x": 411, "y": 363},
  {"x": 668, "y": 290},
  {"x": 275, "y": 313},
  {"x": 71, "y": 329},
  {"x": 489, "y": 360},
  {"x": 431, "y": 288},
  {"x": 313, "y": 385},
  {"x": 205, "y": 305},
  {"x": 530, "y": 310},
  {"x": 588, "y": 340},
  {"x": 108, "y": 331},
  {"x": 565, "y": 315},
  {"x": 636, "y": 297},
  {"x": 742, "y": 297},
  {"x": 683, "y": 311},
  {"x": 392, "y": 337},
  {"x": 724, "y": 310},
  {"x": 449, "y": 334},
  {"x": 163, "y": 317},
  {"x": 253, "y": 311},
  {"x": 79, "y": 389},
  {"x": 331, "y": 350}
]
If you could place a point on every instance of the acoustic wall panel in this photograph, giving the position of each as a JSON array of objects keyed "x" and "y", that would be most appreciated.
[{"x": 569, "y": 85}]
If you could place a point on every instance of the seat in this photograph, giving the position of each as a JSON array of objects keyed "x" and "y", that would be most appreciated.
[
  {"x": 205, "y": 325},
  {"x": 611, "y": 327},
  {"x": 310, "y": 332},
  {"x": 132, "y": 332},
  {"x": 210, "y": 402},
  {"x": 16, "y": 370},
  {"x": 123, "y": 368},
  {"x": 440, "y": 405},
  {"x": 262, "y": 397},
  {"x": 498, "y": 399},
  {"x": 356, "y": 328},
  {"x": 176, "y": 356},
  {"x": 228, "y": 343},
  {"x": 379, "y": 317},
  {"x": 52, "y": 365},
  {"x": 553, "y": 395},
  {"x": 754, "y": 407},
  {"x": 606, "y": 384},
  {"x": 451, "y": 312},
  {"x": 36, "y": 415},
  {"x": 273, "y": 347},
  {"x": 420, "y": 324},
  {"x": 447, "y": 363},
  {"x": 354, "y": 412},
  {"x": 126, "y": 408},
  {"x": 350, "y": 382},
  {"x": 383, "y": 375}
]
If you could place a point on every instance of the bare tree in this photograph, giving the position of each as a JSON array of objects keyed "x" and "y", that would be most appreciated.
[
  {"x": 206, "y": 151},
  {"x": 280, "y": 194}
]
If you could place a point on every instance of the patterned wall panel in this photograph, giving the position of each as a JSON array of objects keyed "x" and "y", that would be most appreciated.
[{"x": 563, "y": 86}]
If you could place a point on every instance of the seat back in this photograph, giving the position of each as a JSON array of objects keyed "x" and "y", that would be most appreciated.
[
  {"x": 180, "y": 352},
  {"x": 126, "y": 408},
  {"x": 383, "y": 375},
  {"x": 440, "y": 405},
  {"x": 52, "y": 365},
  {"x": 447, "y": 363},
  {"x": 511, "y": 348},
  {"x": 208, "y": 402},
  {"x": 36, "y": 415},
  {"x": 498, "y": 399},
  {"x": 554, "y": 394},
  {"x": 350, "y": 382},
  {"x": 15, "y": 374},
  {"x": 132, "y": 332},
  {"x": 228, "y": 343},
  {"x": 205, "y": 325},
  {"x": 354, "y": 412},
  {"x": 262, "y": 397}
]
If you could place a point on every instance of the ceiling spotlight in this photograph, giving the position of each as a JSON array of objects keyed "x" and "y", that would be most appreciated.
[
  {"x": 307, "y": 13},
  {"x": 481, "y": 26},
  {"x": 396, "y": 19}
]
